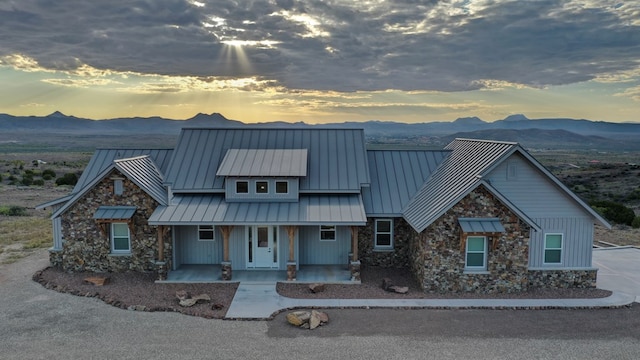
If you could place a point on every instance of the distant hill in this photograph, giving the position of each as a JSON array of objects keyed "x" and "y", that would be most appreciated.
[{"x": 536, "y": 133}]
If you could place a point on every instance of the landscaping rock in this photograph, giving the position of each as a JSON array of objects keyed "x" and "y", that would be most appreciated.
[
  {"x": 306, "y": 319},
  {"x": 182, "y": 295},
  {"x": 187, "y": 301},
  {"x": 316, "y": 288},
  {"x": 386, "y": 283},
  {"x": 97, "y": 280},
  {"x": 399, "y": 289}
]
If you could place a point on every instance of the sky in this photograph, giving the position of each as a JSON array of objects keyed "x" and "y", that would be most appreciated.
[{"x": 322, "y": 61}]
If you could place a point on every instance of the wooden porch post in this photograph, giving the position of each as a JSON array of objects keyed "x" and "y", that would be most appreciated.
[
  {"x": 291, "y": 231},
  {"x": 226, "y": 232},
  {"x": 160, "y": 242},
  {"x": 354, "y": 243}
]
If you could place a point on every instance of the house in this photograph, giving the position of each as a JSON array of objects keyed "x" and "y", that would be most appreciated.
[{"x": 478, "y": 215}]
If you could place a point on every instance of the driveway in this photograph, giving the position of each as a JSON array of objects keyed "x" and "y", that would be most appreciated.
[{"x": 618, "y": 269}]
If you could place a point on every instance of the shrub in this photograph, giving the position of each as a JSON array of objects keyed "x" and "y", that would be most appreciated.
[
  {"x": 67, "y": 179},
  {"x": 13, "y": 210},
  {"x": 614, "y": 212},
  {"x": 27, "y": 180},
  {"x": 38, "y": 182},
  {"x": 49, "y": 172},
  {"x": 47, "y": 177}
]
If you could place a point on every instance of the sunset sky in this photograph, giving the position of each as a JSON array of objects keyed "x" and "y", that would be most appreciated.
[{"x": 321, "y": 61}]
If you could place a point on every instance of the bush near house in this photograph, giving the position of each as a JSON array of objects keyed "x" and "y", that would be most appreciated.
[
  {"x": 13, "y": 210},
  {"x": 67, "y": 179},
  {"x": 636, "y": 222},
  {"x": 614, "y": 212}
]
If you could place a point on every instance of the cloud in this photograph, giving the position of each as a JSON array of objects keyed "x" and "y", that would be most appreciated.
[{"x": 337, "y": 45}]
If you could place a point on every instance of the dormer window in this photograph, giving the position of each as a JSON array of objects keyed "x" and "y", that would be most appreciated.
[
  {"x": 242, "y": 187},
  {"x": 282, "y": 187},
  {"x": 262, "y": 187}
]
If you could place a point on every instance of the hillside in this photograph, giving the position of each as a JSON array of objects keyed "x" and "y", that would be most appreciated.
[{"x": 68, "y": 131}]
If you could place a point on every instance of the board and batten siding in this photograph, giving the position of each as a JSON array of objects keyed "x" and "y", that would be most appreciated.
[
  {"x": 316, "y": 252},
  {"x": 577, "y": 242},
  {"x": 189, "y": 250},
  {"x": 57, "y": 233},
  {"x": 549, "y": 207},
  {"x": 531, "y": 191}
]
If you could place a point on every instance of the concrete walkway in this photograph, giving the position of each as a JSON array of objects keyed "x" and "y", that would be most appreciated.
[{"x": 261, "y": 301}]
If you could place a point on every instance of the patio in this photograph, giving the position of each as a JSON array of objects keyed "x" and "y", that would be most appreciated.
[{"x": 332, "y": 274}]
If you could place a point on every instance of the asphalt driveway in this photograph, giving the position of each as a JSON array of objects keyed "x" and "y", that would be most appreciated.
[{"x": 618, "y": 269}]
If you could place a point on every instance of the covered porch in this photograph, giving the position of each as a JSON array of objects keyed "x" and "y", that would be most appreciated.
[{"x": 327, "y": 274}]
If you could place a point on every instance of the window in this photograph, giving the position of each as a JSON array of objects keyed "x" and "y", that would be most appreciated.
[
  {"x": 205, "y": 233},
  {"x": 327, "y": 232},
  {"x": 282, "y": 187},
  {"x": 553, "y": 248},
  {"x": 242, "y": 187},
  {"x": 262, "y": 187},
  {"x": 512, "y": 171},
  {"x": 384, "y": 234},
  {"x": 118, "y": 188},
  {"x": 120, "y": 238},
  {"x": 476, "y": 253}
]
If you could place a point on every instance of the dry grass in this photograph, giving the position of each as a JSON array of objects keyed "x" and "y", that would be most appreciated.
[{"x": 19, "y": 236}]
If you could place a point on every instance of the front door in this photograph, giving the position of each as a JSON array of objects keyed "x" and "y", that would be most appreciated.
[{"x": 263, "y": 242}]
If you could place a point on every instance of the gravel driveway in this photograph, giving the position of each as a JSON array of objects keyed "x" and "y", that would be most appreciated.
[{"x": 36, "y": 323}]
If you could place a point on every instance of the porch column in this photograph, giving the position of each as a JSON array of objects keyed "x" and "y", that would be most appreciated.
[
  {"x": 291, "y": 264},
  {"x": 161, "y": 265},
  {"x": 226, "y": 263},
  {"x": 354, "y": 265}
]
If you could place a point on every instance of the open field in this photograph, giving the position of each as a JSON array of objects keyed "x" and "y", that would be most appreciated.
[{"x": 591, "y": 174}]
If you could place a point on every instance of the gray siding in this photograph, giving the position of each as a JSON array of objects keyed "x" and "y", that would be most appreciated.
[
  {"x": 577, "y": 242},
  {"x": 532, "y": 192},
  {"x": 189, "y": 250},
  {"x": 316, "y": 252},
  {"x": 238, "y": 248},
  {"x": 231, "y": 195}
]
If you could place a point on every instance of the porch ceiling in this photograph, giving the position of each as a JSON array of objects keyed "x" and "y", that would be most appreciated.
[{"x": 309, "y": 210}]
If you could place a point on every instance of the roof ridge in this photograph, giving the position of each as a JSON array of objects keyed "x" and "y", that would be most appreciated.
[{"x": 487, "y": 141}]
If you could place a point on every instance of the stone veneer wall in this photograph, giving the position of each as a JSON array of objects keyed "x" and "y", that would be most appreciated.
[
  {"x": 562, "y": 278},
  {"x": 438, "y": 250},
  {"x": 87, "y": 248},
  {"x": 403, "y": 235}
]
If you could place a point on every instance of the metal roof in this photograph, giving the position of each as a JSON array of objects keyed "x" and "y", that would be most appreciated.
[
  {"x": 309, "y": 210},
  {"x": 114, "y": 212},
  {"x": 103, "y": 158},
  {"x": 264, "y": 162},
  {"x": 481, "y": 225},
  {"x": 337, "y": 160},
  {"x": 458, "y": 174},
  {"x": 144, "y": 173},
  {"x": 396, "y": 176}
]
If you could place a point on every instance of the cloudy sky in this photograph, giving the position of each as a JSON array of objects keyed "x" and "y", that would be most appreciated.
[{"x": 321, "y": 61}]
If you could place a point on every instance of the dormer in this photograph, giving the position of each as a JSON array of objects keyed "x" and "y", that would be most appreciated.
[{"x": 263, "y": 174}]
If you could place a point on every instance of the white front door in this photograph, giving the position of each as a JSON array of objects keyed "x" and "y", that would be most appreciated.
[{"x": 263, "y": 242}]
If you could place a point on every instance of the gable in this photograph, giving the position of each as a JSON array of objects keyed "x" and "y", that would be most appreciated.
[{"x": 336, "y": 157}]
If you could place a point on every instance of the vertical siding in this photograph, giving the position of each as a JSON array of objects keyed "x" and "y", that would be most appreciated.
[
  {"x": 57, "y": 233},
  {"x": 577, "y": 244},
  {"x": 191, "y": 251},
  {"x": 237, "y": 248},
  {"x": 532, "y": 192},
  {"x": 315, "y": 252}
]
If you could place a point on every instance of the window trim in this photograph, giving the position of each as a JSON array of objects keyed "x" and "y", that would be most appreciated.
[
  {"x": 238, "y": 182},
  {"x": 327, "y": 229},
  {"x": 376, "y": 246},
  {"x": 544, "y": 248},
  {"x": 286, "y": 184},
  {"x": 207, "y": 229},
  {"x": 266, "y": 186},
  {"x": 112, "y": 238},
  {"x": 485, "y": 253}
]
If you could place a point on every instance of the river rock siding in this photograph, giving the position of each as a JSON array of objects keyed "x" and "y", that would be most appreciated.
[
  {"x": 87, "y": 248},
  {"x": 439, "y": 262}
]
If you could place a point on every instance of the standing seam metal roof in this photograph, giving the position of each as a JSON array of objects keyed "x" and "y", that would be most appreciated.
[
  {"x": 114, "y": 212},
  {"x": 309, "y": 210},
  {"x": 458, "y": 173},
  {"x": 337, "y": 159},
  {"x": 481, "y": 225},
  {"x": 396, "y": 176},
  {"x": 144, "y": 173},
  {"x": 264, "y": 162}
]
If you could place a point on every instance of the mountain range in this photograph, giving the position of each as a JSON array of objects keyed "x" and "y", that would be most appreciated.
[{"x": 537, "y": 133}]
